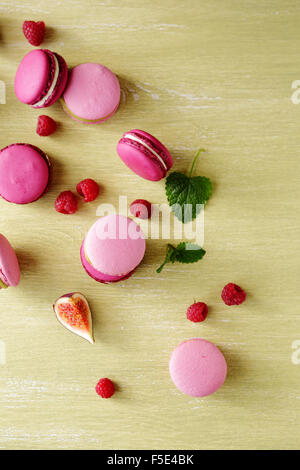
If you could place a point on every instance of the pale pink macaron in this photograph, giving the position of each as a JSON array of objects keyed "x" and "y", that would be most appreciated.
[
  {"x": 41, "y": 78},
  {"x": 144, "y": 155},
  {"x": 9, "y": 266},
  {"x": 197, "y": 367},
  {"x": 112, "y": 249},
  {"x": 92, "y": 94},
  {"x": 25, "y": 173}
]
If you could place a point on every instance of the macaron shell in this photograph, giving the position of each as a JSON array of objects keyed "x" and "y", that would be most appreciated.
[
  {"x": 92, "y": 93},
  {"x": 115, "y": 245},
  {"x": 197, "y": 367},
  {"x": 140, "y": 161},
  {"x": 32, "y": 77},
  {"x": 9, "y": 266},
  {"x": 24, "y": 173}
]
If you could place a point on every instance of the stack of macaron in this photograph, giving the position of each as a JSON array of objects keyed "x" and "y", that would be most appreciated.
[
  {"x": 41, "y": 78},
  {"x": 112, "y": 249},
  {"x": 144, "y": 155}
]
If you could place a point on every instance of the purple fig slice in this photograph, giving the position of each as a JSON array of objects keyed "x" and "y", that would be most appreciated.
[{"x": 73, "y": 312}]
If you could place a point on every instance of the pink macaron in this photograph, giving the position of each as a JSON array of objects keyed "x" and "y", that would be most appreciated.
[
  {"x": 112, "y": 249},
  {"x": 25, "y": 173},
  {"x": 144, "y": 155},
  {"x": 41, "y": 78},
  {"x": 197, "y": 367},
  {"x": 9, "y": 266},
  {"x": 92, "y": 94}
]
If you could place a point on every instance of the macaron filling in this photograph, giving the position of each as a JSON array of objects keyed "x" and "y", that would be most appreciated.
[
  {"x": 88, "y": 121},
  {"x": 154, "y": 144},
  {"x": 97, "y": 275},
  {"x": 52, "y": 87},
  {"x": 135, "y": 138}
]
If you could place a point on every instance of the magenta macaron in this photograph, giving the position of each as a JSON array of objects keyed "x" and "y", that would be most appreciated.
[
  {"x": 25, "y": 173},
  {"x": 41, "y": 78},
  {"x": 197, "y": 367},
  {"x": 92, "y": 94},
  {"x": 112, "y": 249},
  {"x": 144, "y": 155},
  {"x": 9, "y": 266}
]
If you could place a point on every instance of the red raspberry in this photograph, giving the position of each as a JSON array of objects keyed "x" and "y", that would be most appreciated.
[
  {"x": 45, "y": 126},
  {"x": 197, "y": 312},
  {"x": 141, "y": 208},
  {"x": 105, "y": 388},
  {"x": 34, "y": 32},
  {"x": 66, "y": 203},
  {"x": 89, "y": 189},
  {"x": 233, "y": 294}
]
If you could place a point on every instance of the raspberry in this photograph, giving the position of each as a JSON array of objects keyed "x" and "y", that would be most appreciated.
[
  {"x": 45, "y": 126},
  {"x": 105, "y": 388},
  {"x": 197, "y": 312},
  {"x": 233, "y": 294},
  {"x": 89, "y": 189},
  {"x": 66, "y": 203},
  {"x": 34, "y": 32},
  {"x": 141, "y": 208}
]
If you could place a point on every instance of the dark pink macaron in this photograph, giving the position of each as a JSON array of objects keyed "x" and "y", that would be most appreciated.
[
  {"x": 25, "y": 173},
  {"x": 9, "y": 265},
  {"x": 41, "y": 78},
  {"x": 144, "y": 155}
]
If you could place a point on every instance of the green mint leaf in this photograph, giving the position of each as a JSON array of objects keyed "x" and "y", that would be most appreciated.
[
  {"x": 189, "y": 253},
  {"x": 183, "y": 253},
  {"x": 187, "y": 194}
]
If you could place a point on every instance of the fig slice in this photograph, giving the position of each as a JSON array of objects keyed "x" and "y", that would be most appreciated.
[{"x": 73, "y": 312}]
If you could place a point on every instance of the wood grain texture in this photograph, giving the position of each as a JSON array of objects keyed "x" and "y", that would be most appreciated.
[{"x": 194, "y": 73}]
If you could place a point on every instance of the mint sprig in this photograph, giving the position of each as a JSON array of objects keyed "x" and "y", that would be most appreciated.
[
  {"x": 183, "y": 253},
  {"x": 186, "y": 194}
]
